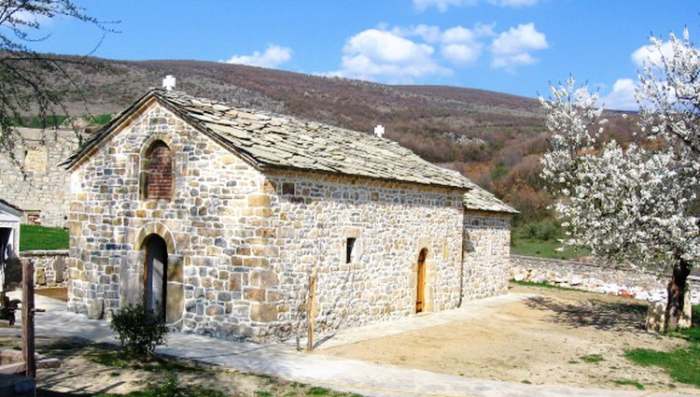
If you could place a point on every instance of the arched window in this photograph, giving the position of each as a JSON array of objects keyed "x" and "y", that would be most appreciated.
[{"x": 157, "y": 172}]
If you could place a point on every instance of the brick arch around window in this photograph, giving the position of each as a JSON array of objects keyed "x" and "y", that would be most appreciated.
[{"x": 157, "y": 165}]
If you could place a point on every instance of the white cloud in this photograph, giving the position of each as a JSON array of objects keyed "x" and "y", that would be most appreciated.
[
  {"x": 376, "y": 54},
  {"x": 651, "y": 55},
  {"x": 514, "y": 3},
  {"x": 273, "y": 56},
  {"x": 459, "y": 45},
  {"x": 443, "y": 5},
  {"x": 622, "y": 96},
  {"x": 512, "y": 48},
  {"x": 461, "y": 53}
]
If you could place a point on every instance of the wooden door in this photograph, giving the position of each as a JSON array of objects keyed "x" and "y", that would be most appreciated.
[{"x": 420, "y": 282}]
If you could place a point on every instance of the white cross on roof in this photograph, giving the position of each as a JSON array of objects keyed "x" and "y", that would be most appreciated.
[{"x": 169, "y": 83}]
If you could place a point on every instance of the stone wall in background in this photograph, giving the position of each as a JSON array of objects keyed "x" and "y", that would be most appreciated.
[
  {"x": 41, "y": 190},
  {"x": 49, "y": 267},
  {"x": 595, "y": 277}
]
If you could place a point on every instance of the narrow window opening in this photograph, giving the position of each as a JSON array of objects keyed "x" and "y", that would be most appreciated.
[
  {"x": 157, "y": 178},
  {"x": 349, "y": 245}
]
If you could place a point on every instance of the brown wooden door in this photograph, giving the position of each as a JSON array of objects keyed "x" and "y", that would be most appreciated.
[{"x": 420, "y": 282}]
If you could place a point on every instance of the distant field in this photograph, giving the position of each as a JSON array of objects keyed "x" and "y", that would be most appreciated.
[
  {"x": 33, "y": 237},
  {"x": 542, "y": 239}
]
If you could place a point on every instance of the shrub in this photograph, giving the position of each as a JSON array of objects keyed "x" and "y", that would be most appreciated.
[
  {"x": 544, "y": 231},
  {"x": 139, "y": 331}
]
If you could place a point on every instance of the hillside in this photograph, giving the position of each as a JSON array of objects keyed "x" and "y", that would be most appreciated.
[{"x": 494, "y": 138}]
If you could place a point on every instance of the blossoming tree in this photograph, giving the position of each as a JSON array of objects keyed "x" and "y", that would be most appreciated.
[{"x": 631, "y": 203}]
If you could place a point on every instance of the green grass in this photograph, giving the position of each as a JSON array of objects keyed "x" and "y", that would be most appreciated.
[
  {"x": 56, "y": 121},
  {"x": 629, "y": 382},
  {"x": 542, "y": 284},
  {"x": 542, "y": 239},
  {"x": 101, "y": 119},
  {"x": 318, "y": 391},
  {"x": 592, "y": 358},
  {"x": 171, "y": 388},
  {"x": 34, "y": 237},
  {"x": 682, "y": 364},
  {"x": 117, "y": 359},
  {"x": 38, "y": 122}
]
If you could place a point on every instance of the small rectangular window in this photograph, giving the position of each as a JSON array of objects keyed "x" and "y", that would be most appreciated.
[{"x": 349, "y": 245}]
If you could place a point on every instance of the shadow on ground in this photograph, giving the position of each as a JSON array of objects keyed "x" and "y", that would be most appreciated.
[{"x": 608, "y": 316}]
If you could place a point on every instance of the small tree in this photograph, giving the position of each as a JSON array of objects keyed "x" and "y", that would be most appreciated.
[
  {"x": 31, "y": 81},
  {"x": 632, "y": 204},
  {"x": 139, "y": 330}
]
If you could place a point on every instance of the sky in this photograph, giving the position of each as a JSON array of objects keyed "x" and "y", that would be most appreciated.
[{"x": 511, "y": 46}]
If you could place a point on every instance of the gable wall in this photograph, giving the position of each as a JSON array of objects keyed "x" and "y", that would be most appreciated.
[{"x": 212, "y": 217}]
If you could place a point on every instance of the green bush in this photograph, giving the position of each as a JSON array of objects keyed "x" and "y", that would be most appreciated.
[
  {"x": 543, "y": 231},
  {"x": 139, "y": 331}
]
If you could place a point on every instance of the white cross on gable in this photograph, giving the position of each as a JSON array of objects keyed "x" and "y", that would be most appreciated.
[
  {"x": 169, "y": 83},
  {"x": 379, "y": 130}
]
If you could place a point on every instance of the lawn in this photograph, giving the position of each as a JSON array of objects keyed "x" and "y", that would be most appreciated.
[
  {"x": 542, "y": 239},
  {"x": 34, "y": 237},
  {"x": 681, "y": 364}
]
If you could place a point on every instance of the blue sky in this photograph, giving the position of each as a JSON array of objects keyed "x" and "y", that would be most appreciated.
[{"x": 513, "y": 46}]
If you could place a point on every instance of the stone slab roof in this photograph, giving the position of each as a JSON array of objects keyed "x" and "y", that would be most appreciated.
[
  {"x": 481, "y": 200},
  {"x": 272, "y": 141}
]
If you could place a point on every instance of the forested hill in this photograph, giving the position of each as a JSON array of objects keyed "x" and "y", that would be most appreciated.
[{"x": 494, "y": 138}]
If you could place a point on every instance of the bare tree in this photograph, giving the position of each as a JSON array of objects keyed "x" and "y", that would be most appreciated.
[{"x": 33, "y": 83}]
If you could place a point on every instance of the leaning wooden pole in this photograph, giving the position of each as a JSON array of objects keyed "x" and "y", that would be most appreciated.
[
  {"x": 311, "y": 313},
  {"x": 28, "y": 317}
]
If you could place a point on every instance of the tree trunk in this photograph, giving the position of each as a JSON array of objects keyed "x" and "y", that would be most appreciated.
[{"x": 676, "y": 316}]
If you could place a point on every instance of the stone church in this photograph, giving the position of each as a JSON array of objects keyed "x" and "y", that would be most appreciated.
[{"x": 217, "y": 218}]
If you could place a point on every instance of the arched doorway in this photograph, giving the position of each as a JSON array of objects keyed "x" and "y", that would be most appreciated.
[
  {"x": 420, "y": 281},
  {"x": 155, "y": 274}
]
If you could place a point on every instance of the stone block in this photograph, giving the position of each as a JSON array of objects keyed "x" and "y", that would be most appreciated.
[
  {"x": 258, "y": 200},
  {"x": 175, "y": 302},
  {"x": 263, "y": 312},
  {"x": 264, "y": 278},
  {"x": 235, "y": 282},
  {"x": 254, "y": 294}
]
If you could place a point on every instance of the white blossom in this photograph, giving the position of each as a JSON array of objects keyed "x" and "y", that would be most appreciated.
[{"x": 630, "y": 204}]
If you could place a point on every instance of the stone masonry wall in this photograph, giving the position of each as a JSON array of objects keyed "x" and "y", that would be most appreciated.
[
  {"x": 241, "y": 244},
  {"x": 312, "y": 217},
  {"x": 595, "y": 277},
  {"x": 49, "y": 267},
  {"x": 486, "y": 254},
  {"x": 44, "y": 184}
]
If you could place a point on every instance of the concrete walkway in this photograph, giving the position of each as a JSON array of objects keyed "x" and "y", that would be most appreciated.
[{"x": 360, "y": 377}]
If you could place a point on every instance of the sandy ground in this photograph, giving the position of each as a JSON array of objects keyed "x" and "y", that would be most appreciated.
[{"x": 539, "y": 340}]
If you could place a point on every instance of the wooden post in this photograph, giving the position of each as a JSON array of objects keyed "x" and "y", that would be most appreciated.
[
  {"x": 28, "y": 317},
  {"x": 311, "y": 313}
]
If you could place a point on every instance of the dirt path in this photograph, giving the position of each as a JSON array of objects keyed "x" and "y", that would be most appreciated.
[{"x": 556, "y": 337}]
